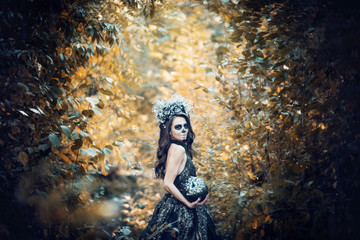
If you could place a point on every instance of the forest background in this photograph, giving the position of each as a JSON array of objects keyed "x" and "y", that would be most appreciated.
[{"x": 275, "y": 84}]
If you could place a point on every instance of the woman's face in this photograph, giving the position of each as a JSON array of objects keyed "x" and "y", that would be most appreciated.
[{"x": 179, "y": 129}]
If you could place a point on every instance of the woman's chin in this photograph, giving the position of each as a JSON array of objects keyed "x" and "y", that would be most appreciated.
[{"x": 180, "y": 138}]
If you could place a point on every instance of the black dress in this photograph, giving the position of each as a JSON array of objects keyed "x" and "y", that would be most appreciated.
[{"x": 174, "y": 220}]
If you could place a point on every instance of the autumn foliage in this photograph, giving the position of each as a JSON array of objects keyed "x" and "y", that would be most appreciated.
[
  {"x": 293, "y": 99},
  {"x": 275, "y": 85}
]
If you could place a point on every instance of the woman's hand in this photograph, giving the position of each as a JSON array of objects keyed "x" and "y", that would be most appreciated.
[
  {"x": 197, "y": 203},
  {"x": 204, "y": 201}
]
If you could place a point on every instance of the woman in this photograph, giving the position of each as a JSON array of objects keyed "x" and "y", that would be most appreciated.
[{"x": 175, "y": 217}]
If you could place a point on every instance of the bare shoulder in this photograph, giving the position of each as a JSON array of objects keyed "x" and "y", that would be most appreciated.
[{"x": 176, "y": 151}]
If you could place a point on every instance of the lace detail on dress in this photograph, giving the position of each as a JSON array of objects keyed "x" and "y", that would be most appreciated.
[{"x": 173, "y": 220}]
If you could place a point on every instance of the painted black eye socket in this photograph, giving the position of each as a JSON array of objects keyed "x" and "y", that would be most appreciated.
[{"x": 179, "y": 126}]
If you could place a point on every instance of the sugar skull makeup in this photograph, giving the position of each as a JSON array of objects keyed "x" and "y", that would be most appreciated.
[{"x": 179, "y": 129}]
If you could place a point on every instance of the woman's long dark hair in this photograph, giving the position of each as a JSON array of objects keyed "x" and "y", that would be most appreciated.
[{"x": 165, "y": 142}]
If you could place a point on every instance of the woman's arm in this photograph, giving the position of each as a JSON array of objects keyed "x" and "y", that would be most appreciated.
[{"x": 176, "y": 156}]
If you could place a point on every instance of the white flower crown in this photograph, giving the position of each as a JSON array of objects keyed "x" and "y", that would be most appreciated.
[{"x": 165, "y": 110}]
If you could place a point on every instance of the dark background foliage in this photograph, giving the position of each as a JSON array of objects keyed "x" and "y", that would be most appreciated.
[
  {"x": 306, "y": 63},
  {"x": 41, "y": 129},
  {"x": 294, "y": 102}
]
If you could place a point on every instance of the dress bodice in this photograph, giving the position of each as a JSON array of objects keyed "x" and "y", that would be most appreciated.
[
  {"x": 188, "y": 171},
  {"x": 195, "y": 223}
]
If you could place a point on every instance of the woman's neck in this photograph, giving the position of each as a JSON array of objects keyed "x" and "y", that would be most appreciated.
[{"x": 179, "y": 143}]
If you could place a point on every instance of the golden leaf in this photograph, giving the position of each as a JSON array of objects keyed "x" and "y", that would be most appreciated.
[
  {"x": 251, "y": 175},
  {"x": 268, "y": 219},
  {"x": 266, "y": 210},
  {"x": 103, "y": 171},
  {"x": 173, "y": 233},
  {"x": 63, "y": 157},
  {"x": 254, "y": 224},
  {"x": 23, "y": 158}
]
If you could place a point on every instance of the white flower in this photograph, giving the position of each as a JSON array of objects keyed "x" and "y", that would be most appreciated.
[{"x": 164, "y": 110}]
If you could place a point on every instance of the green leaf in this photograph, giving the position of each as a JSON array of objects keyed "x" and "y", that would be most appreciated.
[
  {"x": 48, "y": 57},
  {"x": 89, "y": 139},
  {"x": 96, "y": 110},
  {"x": 84, "y": 85},
  {"x": 173, "y": 233},
  {"x": 92, "y": 100},
  {"x": 101, "y": 104},
  {"x": 250, "y": 36},
  {"x": 109, "y": 147},
  {"x": 74, "y": 135},
  {"x": 44, "y": 147},
  {"x": 236, "y": 35},
  {"x": 109, "y": 80},
  {"x": 88, "y": 113},
  {"x": 84, "y": 134},
  {"x": 246, "y": 53},
  {"x": 41, "y": 194},
  {"x": 125, "y": 231},
  {"x": 24, "y": 86},
  {"x": 258, "y": 53},
  {"x": 118, "y": 143},
  {"x": 66, "y": 130},
  {"x": 106, "y": 151},
  {"x": 54, "y": 139},
  {"x": 35, "y": 110},
  {"x": 90, "y": 178},
  {"x": 106, "y": 233},
  {"x": 89, "y": 151},
  {"x": 106, "y": 92},
  {"x": 241, "y": 197}
]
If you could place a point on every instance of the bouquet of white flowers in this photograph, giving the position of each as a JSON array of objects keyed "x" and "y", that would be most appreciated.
[{"x": 195, "y": 188}]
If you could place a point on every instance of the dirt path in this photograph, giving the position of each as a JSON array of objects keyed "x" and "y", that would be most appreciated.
[{"x": 179, "y": 50}]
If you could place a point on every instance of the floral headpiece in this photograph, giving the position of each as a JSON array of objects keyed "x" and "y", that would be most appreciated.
[{"x": 165, "y": 110}]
